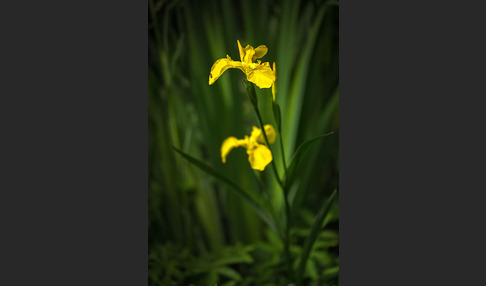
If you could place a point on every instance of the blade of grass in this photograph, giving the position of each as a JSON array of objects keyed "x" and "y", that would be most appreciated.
[
  {"x": 306, "y": 184},
  {"x": 298, "y": 86},
  {"x": 163, "y": 176},
  {"x": 259, "y": 209},
  {"x": 298, "y": 156}
]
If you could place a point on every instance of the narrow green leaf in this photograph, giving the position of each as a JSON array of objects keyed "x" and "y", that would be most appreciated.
[
  {"x": 277, "y": 116},
  {"x": 298, "y": 85},
  {"x": 242, "y": 258},
  {"x": 312, "y": 237},
  {"x": 311, "y": 270},
  {"x": 298, "y": 156},
  {"x": 260, "y": 210},
  {"x": 331, "y": 273},
  {"x": 230, "y": 273}
]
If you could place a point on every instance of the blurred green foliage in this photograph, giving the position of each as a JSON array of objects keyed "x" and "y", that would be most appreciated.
[{"x": 202, "y": 232}]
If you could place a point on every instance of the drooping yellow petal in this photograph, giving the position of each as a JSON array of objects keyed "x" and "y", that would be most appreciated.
[
  {"x": 227, "y": 146},
  {"x": 259, "y": 157},
  {"x": 220, "y": 66},
  {"x": 242, "y": 52},
  {"x": 260, "y": 51},
  {"x": 274, "y": 86},
  {"x": 261, "y": 75}
]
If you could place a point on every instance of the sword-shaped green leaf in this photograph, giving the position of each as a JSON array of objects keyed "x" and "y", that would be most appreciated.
[
  {"x": 259, "y": 209},
  {"x": 298, "y": 156}
]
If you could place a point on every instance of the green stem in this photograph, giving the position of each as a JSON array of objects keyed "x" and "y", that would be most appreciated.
[
  {"x": 251, "y": 89},
  {"x": 283, "y": 155},
  {"x": 278, "y": 120},
  {"x": 269, "y": 207},
  {"x": 287, "y": 237},
  {"x": 252, "y": 95}
]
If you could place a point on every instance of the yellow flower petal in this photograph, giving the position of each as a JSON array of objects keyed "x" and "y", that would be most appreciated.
[
  {"x": 242, "y": 52},
  {"x": 220, "y": 66},
  {"x": 227, "y": 146},
  {"x": 257, "y": 135},
  {"x": 274, "y": 86},
  {"x": 259, "y": 157},
  {"x": 260, "y": 51},
  {"x": 249, "y": 53},
  {"x": 271, "y": 135},
  {"x": 261, "y": 75}
]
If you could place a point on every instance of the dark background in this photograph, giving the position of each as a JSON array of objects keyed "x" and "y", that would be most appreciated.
[{"x": 74, "y": 143}]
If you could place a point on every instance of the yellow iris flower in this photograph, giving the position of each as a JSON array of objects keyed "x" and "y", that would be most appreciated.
[
  {"x": 259, "y": 73},
  {"x": 259, "y": 155}
]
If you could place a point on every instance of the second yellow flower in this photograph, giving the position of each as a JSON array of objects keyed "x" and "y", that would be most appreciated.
[{"x": 259, "y": 155}]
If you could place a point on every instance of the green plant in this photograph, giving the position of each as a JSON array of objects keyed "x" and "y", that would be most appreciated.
[{"x": 195, "y": 218}]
